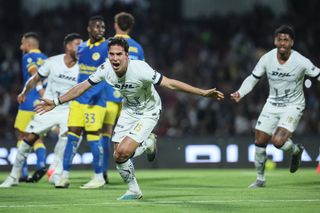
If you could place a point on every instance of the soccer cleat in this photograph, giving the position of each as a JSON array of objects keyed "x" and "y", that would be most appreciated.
[
  {"x": 94, "y": 183},
  {"x": 129, "y": 195},
  {"x": 106, "y": 179},
  {"x": 37, "y": 175},
  {"x": 257, "y": 184},
  {"x": 54, "y": 178},
  {"x": 296, "y": 159},
  {"x": 152, "y": 150},
  {"x": 63, "y": 183},
  {"x": 26, "y": 179},
  {"x": 9, "y": 182}
]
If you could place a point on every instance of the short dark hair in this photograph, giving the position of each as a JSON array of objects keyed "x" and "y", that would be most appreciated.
[
  {"x": 95, "y": 19},
  {"x": 285, "y": 29},
  {"x": 33, "y": 35},
  {"x": 118, "y": 41},
  {"x": 124, "y": 20},
  {"x": 70, "y": 37}
]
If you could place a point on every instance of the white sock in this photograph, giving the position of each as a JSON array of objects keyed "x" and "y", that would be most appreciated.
[
  {"x": 23, "y": 151},
  {"x": 65, "y": 174},
  {"x": 98, "y": 176},
  {"x": 149, "y": 142},
  {"x": 289, "y": 147},
  {"x": 260, "y": 161},
  {"x": 58, "y": 155},
  {"x": 140, "y": 150},
  {"x": 126, "y": 171}
]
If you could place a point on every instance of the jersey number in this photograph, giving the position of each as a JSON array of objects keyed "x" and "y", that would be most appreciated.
[{"x": 90, "y": 118}]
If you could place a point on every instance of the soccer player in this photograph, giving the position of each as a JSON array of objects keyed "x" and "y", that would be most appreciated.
[
  {"x": 87, "y": 111},
  {"x": 285, "y": 69},
  {"x": 62, "y": 72},
  {"x": 123, "y": 24},
  {"x": 31, "y": 61},
  {"x": 140, "y": 112}
]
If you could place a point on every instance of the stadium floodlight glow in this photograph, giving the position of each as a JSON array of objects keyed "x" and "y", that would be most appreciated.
[
  {"x": 305, "y": 156},
  {"x": 3, "y": 154},
  {"x": 232, "y": 153},
  {"x": 202, "y": 154},
  {"x": 87, "y": 158},
  {"x": 32, "y": 159},
  {"x": 50, "y": 158},
  {"x": 77, "y": 159}
]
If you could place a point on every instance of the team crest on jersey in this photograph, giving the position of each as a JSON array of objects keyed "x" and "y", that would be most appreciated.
[
  {"x": 40, "y": 61},
  {"x": 96, "y": 56},
  {"x": 29, "y": 60},
  {"x": 116, "y": 94}
]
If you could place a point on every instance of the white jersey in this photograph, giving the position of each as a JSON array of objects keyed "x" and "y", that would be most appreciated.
[
  {"x": 60, "y": 77},
  {"x": 285, "y": 80},
  {"x": 136, "y": 86}
]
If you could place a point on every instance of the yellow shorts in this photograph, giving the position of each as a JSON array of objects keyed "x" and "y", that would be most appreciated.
[
  {"x": 112, "y": 112},
  {"x": 22, "y": 119},
  {"x": 90, "y": 117}
]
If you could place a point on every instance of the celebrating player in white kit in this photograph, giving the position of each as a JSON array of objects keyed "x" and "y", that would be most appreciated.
[
  {"x": 141, "y": 105},
  {"x": 62, "y": 72},
  {"x": 285, "y": 69}
]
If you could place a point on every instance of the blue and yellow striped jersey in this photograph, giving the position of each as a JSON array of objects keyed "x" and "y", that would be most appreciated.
[
  {"x": 34, "y": 58},
  {"x": 90, "y": 57},
  {"x": 135, "y": 53}
]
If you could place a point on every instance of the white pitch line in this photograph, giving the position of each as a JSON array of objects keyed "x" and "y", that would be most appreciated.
[{"x": 147, "y": 202}]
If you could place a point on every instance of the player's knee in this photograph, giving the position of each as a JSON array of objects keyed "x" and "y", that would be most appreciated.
[
  {"x": 277, "y": 141},
  {"x": 122, "y": 155},
  {"x": 31, "y": 138}
]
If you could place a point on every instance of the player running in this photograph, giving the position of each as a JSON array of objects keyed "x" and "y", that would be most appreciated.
[{"x": 62, "y": 72}]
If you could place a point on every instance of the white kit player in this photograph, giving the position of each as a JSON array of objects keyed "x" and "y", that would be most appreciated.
[
  {"x": 141, "y": 105},
  {"x": 285, "y": 69},
  {"x": 61, "y": 72}
]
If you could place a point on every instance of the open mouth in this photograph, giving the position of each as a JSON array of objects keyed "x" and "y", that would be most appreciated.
[
  {"x": 115, "y": 65},
  {"x": 282, "y": 49}
]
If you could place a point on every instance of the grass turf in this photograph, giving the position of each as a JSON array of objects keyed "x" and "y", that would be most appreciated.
[{"x": 193, "y": 190}]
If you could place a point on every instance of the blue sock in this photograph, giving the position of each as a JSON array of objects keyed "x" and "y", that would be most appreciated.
[
  {"x": 70, "y": 150},
  {"x": 24, "y": 170},
  {"x": 106, "y": 152},
  {"x": 97, "y": 152},
  {"x": 41, "y": 157}
]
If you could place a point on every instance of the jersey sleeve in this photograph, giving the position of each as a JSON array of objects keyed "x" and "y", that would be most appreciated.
[
  {"x": 44, "y": 70},
  {"x": 259, "y": 70},
  {"x": 99, "y": 75},
  {"x": 311, "y": 69},
  {"x": 31, "y": 62},
  {"x": 141, "y": 53},
  {"x": 150, "y": 75}
]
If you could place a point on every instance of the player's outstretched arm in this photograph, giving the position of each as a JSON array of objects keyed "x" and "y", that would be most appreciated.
[
  {"x": 46, "y": 105},
  {"x": 181, "y": 86},
  {"x": 235, "y": 96},
  {"x": 31, "y": 83},
  {"x": 246, "y": 87}
]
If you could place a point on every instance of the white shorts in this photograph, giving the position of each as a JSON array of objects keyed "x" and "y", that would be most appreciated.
[
  {"x": 273, "y": 116},
  {"x": 136, "y": 126},
  {"x": 43, "y": 123}
]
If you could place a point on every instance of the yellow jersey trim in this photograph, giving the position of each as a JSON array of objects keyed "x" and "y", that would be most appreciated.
[
  {"x": 122, "y": 35},
  {"x": 97, "y": 43},
  {"x": 34, "y": 51}
]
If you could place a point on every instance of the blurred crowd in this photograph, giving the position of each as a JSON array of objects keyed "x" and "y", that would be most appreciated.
[{"x": 217, "y": 51}]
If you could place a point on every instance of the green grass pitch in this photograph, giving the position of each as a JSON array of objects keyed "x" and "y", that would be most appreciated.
[{"x": 192, "y": 190}]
